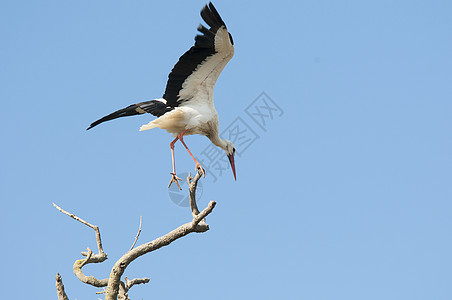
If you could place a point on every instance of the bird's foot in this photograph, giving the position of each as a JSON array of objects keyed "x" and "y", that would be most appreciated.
[
  {"x": 175, "y": 179},
  {"x": 198, "y": 167}
]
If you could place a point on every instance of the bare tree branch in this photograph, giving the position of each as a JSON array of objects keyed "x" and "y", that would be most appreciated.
[
  {"x": 138, "y": 234},
  {"x": 101, "y": 292},
  {"x": 60, "y": 288},
  {"x": 130, "y": 283},
  {"x": 126, "y": 259},
  {"x": 192, "y": 185},
  {"x": 96, "y": 229},
  {"x": 115, "y": 288},
  {"x": 90, "y": 257},
  {"x": 90, "y": 253},
  {"x": 122, "y": 295}
]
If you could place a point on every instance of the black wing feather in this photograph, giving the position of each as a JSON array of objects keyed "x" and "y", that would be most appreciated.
[
  {"x": 154, "y": 107},
  {"x": 188, "y": 62},
  {"x": 212, "y": 17}
]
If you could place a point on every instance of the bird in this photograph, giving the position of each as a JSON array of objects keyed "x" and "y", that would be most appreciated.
[{"x": 187, "y": 107}]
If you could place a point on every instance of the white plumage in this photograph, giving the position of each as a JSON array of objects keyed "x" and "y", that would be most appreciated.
[{"x": 187, "y": 106}]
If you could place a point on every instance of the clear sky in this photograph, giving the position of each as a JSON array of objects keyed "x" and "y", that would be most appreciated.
[{"x": 345, "y": 192}]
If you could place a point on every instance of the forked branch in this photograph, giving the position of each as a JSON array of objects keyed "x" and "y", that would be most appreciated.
[
  {"x": 117, "y": 289},
  {"x": 126, "y": 259},
  {"x": 96, "y": 229},
  {"x": 90, "y": 257}
]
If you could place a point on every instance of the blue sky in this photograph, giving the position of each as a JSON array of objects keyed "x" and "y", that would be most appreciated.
[{"x": 344, "y": 194}]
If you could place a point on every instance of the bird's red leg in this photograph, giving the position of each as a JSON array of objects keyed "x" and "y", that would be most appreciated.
[
  {"x": 198, "y": 165},
  {"x": 174, "y": 178}
]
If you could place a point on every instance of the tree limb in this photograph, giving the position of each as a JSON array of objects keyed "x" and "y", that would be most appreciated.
[
  {"x": 130, "y": 283},
  {"x": 117, "y": 289},
  {"x": 126, "y": 259},
  {"x": 96, "y": 229},
  {"x": 60, "y": 288},
  {"x": 138, "y": 234},
  {"x": 192, "y": 185},
  {"x": 90, "y": 257}
]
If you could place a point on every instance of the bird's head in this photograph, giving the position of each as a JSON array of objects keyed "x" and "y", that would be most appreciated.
[{"x": 230, "y": 152}]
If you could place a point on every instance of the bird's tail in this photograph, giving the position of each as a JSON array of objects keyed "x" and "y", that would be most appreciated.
[
  {"x": 148, "y": 126},
  {"x": 155, "y": 107},
  {"x": 130, "y": 110}
]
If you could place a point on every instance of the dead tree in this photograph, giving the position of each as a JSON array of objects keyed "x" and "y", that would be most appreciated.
[{"x": 115, "y": 287}]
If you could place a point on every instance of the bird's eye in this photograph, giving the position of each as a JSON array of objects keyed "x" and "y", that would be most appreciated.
[{"x": 233, "y": 150}]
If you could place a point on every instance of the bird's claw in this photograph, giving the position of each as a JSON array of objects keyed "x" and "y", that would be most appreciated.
[
  {"x": 175, "y": 179},
  {"x": 198, "y": 167}
]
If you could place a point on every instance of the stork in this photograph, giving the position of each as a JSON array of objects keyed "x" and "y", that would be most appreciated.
[{"x": 187, "y": 106}]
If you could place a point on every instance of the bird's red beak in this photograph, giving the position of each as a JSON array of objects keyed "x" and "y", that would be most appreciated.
[{"x": 231, "y": 160}]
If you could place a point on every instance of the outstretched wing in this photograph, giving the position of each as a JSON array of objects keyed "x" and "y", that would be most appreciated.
[
  {"x": 157, "y": 107},
  {"x": 198, "y": 69}
]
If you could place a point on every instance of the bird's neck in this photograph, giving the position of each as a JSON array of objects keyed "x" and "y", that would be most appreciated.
[{"x": 217, "y": 141}]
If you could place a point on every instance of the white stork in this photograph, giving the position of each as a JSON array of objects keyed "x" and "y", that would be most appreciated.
[{"x": 187, "y": 107}]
